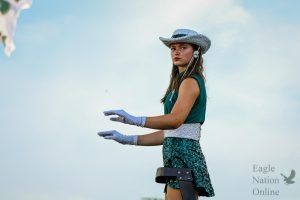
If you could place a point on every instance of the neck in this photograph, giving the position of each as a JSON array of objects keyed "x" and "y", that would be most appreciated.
[{"x": 181, "y": 69}]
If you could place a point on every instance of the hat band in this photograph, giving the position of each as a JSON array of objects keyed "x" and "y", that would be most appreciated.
[{"x": 178, "y": 35}]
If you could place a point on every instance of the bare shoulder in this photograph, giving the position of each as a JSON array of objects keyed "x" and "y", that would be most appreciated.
[
  {"x": 190, "y": 81},
  {"x": 189, "y": 85}
]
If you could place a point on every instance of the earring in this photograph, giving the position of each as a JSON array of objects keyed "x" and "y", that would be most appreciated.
[{"x": 196, "y": 54}]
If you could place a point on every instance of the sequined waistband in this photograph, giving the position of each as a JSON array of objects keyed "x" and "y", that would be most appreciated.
[{"x": 189, "y": 131}]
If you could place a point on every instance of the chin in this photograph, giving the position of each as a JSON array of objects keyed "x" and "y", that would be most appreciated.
[{"x": 180, "y": 64}]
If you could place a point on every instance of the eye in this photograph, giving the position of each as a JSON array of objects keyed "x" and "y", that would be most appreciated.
[
  {"x": 183, "y": 47},
  {"x": 173, "y": 49}
]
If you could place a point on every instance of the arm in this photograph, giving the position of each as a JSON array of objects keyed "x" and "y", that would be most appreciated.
[
  {"x": 188, "y": 92},
  {"x": 151, "y": 139}
]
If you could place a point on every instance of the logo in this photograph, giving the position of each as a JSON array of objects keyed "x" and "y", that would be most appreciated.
[
  {"x": 289, "y": 180},
  {"x": 266, "y": 180}
]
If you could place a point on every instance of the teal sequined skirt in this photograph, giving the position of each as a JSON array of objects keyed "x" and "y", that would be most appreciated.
[{"x": 187, "y": 153}]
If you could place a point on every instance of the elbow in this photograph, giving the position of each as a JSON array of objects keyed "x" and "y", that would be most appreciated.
[
  {"x": 176, "y": 121},
  {"x": 176, "y": 124}
]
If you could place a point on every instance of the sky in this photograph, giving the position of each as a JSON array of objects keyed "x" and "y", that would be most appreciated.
[{"x": 75, "y": 60}]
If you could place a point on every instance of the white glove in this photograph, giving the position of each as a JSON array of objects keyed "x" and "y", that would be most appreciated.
[
  {"x": 118, "y": 137},
  {"x": 125, "y": 118}
]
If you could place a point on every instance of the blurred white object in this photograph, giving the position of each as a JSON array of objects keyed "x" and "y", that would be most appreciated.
[{"x": 10, "y": 11}]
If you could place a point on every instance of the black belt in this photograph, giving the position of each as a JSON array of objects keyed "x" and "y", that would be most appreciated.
[{"x": 184, "y": 176}]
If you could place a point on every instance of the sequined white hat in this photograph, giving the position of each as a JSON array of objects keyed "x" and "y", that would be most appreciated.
[{"x": 188, "y": 36}]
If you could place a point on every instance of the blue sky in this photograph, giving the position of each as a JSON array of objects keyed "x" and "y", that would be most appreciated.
[{"x": 75, "y": 60}]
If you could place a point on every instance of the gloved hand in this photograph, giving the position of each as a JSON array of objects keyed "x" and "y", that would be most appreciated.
[
  {"x": 118, "y": 137},
  {"x": 125, "y": 118}
]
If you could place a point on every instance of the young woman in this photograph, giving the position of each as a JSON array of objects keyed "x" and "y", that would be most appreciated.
[{"x": 184, "y": 113}]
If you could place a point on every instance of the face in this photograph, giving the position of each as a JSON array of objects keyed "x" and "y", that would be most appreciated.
[{"x": 181, "y": 54}]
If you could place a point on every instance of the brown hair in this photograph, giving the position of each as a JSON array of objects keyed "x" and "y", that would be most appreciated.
[{"x": 176, "y": 80}]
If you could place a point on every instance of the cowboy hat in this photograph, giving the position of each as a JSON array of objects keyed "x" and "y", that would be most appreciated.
[{"x": 188, "y": 36}]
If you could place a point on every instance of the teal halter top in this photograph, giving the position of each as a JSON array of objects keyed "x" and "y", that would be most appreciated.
[{"x": 197, "y": 113}]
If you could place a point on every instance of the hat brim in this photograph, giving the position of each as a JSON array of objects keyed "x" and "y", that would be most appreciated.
[{"x": 201, "y": 40}]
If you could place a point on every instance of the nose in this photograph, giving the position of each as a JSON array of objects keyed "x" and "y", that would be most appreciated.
[{"x": 176, "y": 52}]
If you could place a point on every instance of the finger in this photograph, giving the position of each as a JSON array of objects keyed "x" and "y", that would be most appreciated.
[
  {"x": 105, "y": 133},
  {"x": 115, "y": 112},
  {"x": 110, "y": 112},
  {"x": 117, "y": 119},
  {"x": 110, "y": 137}
]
